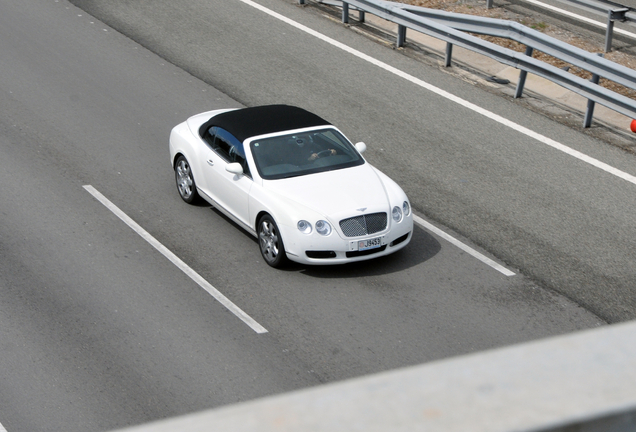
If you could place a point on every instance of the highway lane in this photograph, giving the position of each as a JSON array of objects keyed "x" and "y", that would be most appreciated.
[
  {"x": 99, "y": 330},
  {"x": 561, "y": 221}
]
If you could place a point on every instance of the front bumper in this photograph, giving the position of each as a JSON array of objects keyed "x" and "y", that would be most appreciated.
[{"x": 315, "y": 249}]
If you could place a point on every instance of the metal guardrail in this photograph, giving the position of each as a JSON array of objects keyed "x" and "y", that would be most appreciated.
[
  {"x": 452, "y": 28},
  {"x": 613, "y": 12},
  {"x": 602, "y": 7}
]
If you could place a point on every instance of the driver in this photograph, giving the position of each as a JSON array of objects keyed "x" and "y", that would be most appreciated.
[
  {"x": 315, "y": 156},
  {"x": 315, "y": 151}
]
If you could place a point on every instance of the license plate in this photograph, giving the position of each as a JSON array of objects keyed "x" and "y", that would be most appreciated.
[{"x": 370, "y": 243}]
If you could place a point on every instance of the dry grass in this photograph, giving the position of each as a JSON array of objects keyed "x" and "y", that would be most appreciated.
[{"x": 471, "y": 7}]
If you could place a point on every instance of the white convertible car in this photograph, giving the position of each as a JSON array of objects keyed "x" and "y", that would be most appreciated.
[{"x": 293, "y": 181}]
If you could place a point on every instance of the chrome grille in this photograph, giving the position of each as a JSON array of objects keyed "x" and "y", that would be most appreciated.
[{"x": 363, "y": 225}]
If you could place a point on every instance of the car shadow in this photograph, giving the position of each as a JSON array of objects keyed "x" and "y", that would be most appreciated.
[
  {"x": 231, "y": 222},
  {"x": 203, "y": 203},
  {"x": 422, "y": 247}
]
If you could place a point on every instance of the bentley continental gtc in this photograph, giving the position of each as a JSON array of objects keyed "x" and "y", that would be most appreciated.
[{"x": 293, "y": 181}]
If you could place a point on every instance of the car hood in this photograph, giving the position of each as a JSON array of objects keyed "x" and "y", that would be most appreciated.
[{"x": 355, "y": 190}]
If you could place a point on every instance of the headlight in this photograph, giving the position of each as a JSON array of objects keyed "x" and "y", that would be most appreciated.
[
  {"x": 304, "y": 227},
  {"x": 397, "y": 214},
  {"x": 323, "y": 227},
  {"x": 406, "y": 208}
]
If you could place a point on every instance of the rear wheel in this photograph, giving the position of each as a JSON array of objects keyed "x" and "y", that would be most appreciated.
[
  {"x": 185, "y": 181},
  {"x": 271, "y": 242}
]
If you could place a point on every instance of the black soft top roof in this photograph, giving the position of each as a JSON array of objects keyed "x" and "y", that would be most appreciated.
[{"x": 249, "y": 122}]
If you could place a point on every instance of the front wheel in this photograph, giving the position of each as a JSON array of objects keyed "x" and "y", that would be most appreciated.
[
  {"x": 185, "y": 180},
  {"x": 271, "y": 242}
]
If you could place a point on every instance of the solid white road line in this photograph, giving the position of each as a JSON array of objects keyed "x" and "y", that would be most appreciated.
[
  {"x": 580, "y": 17},
  {"x": 521, "y": 129},
  {"x": 2, "y": 429},
  {"x": 176, "y": 261},
  {"x": 481, "y": 257}
]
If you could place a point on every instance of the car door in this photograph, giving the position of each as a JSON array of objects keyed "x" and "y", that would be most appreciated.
[{"x": 229, "y": 191}]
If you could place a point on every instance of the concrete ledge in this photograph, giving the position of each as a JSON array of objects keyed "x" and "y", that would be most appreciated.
[{"x": 579, "y": 382}]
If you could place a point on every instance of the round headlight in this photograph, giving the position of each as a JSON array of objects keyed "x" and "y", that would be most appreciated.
[
  {"x": 396, "y": 214},
  {"x": 406, "y": 208},
  {"x": 323, "y": 227},
  {"x": 304, "y": 227}
]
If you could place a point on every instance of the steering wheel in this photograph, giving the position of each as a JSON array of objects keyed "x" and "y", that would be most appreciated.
[{"x": 323, "y": 153}]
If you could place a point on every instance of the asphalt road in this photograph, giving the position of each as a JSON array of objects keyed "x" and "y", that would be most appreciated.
[
  {"x": 99, "y": 330},
  {"x": 562, "y": 222}
]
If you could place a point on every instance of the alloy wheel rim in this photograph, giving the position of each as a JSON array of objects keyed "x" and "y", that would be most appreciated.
[
  {"x": 269, "y": 241},
  {"x": 184, "y": 179}
]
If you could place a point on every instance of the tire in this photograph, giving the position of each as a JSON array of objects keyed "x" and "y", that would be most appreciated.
[
  {"x": 271, "y": 242},
  {"x": 186, "y": 186}
]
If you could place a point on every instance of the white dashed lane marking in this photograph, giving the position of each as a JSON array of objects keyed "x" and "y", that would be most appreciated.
[
  {"x": 470, "y": 251},
  {"x": 176, "y": 261}
]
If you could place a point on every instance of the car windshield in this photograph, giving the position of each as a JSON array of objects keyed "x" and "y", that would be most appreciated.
[{"x": 303, "y": 153}]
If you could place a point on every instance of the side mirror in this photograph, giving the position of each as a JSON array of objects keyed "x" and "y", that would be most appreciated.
[
  {"x": 234, "y": 168},
  {"x": 361, "y": 147}
]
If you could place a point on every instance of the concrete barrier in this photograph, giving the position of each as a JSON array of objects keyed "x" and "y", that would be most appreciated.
[{"x": 582, "y": 382}]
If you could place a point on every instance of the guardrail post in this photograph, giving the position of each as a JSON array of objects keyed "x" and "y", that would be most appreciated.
[
  {"x": 401, "y": 36},
  {"x": 488, "y": 4},
  {"x": 345, "y": 13},
  {"x": 522, "y": 76},
  {"x": 449, "y": 54},
  {"x": 587, "y": 121},
  {"x": 609, "y": 32},
  {"x": 361, "y": 16},
  {"x": 301, "y": 1},
  {"x": 612, "y": 15}
]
